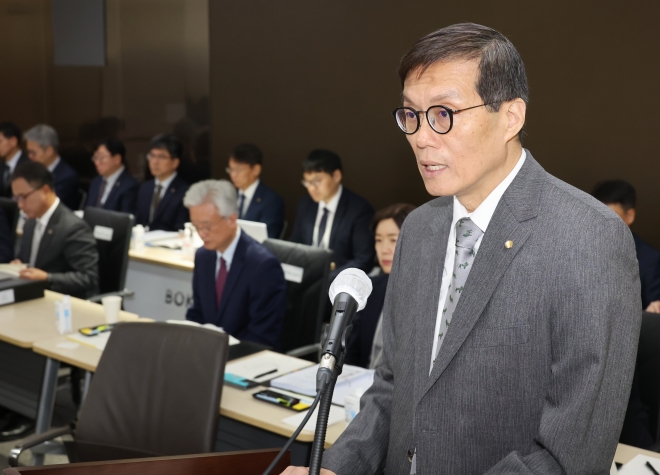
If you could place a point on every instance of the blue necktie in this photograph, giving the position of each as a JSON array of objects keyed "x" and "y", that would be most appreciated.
[
  {"x": 322, "y": 226},
  {"x": 241, "y": 202}
]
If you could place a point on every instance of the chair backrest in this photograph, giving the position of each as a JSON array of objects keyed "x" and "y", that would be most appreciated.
[
  {"x": 10, "y": 207},
  {"x": 156, "y": 392},
  {"x": 82, "y": 194},
  {"x": 113, "y": 248},
  {"x": 306, "y": 300}
]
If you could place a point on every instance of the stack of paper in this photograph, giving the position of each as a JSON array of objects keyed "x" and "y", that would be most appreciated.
[
  {"x": 12, "y": 269},
  {"x": 304, "y": 382},
  {"x": 637, "y": 466},
  {"x": 265, "y": 365}
]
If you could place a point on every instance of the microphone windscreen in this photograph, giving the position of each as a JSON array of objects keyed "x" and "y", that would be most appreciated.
[{"x": 355, "y": 283}]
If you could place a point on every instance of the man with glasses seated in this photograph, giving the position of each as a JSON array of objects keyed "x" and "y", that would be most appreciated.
[
  {"x": 256, "y": 201},
  {"x": 57, "y": 245},
  {"x": 114, "y": 189},
  {"x": 332, "y": 216},
  {"x": 238, "y": 284},
  {"x": 160, "y": 200}
]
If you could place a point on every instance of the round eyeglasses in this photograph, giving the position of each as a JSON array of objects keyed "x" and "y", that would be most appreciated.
[{"x": 440, "y": 118}]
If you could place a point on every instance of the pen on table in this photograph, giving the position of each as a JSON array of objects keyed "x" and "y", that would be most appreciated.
[
  {"x": 652, "y": 468},
  {"x": 265, "y": 374}
]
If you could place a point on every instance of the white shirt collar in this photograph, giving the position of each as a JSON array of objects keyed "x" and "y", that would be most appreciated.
[
  {"x": 165, "y": 184},
  {"x": 53, "y": 165},
  {"x": 228, "y": 255},
  {"x": 11, "y": 163},
  {"x": 44, "y": 218},
  {"x": 484, "y": 212},
  {"x": 250, "y": 190},
  {"x": 110, "y": 181},
  {"x": 334, "y": 201}
]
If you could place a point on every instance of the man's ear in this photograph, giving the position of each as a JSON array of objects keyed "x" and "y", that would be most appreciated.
[
  {"x": 630, "y": 216},
  {"x": 337, "y": 176},
  {"x": 516, "y": 111}
]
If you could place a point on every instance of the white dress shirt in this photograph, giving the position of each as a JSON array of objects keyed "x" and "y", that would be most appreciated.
[
  {"x": 54, "y": 165},
  {"x": 39, "y": 227},
  {"x": 13, "y": 161},
  {"x": 332, "y": 210},
  {"x": 249, "y": 194},
  {"x": 228, "y": 255},
  {"x": 165, "y": 184},
  {"x": 481, "y": 217},
  {"x": 110, "y": 182}
]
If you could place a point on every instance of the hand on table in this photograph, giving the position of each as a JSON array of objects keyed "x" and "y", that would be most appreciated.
[
  {"x": 16, "y": 261},
  {"x": 33, "y": 274},
  {"x": 304, "y": 471},
  {"x": 654, "y": 307}
]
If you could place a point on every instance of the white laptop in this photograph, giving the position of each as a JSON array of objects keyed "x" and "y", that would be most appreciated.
[{"x": 257, "y": 231}]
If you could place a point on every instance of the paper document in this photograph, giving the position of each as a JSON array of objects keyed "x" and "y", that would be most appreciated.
[
  {"x": 336, "y": 415},
  {"x": 97, "y": 341},
  {"x": 637, "y": 466},
  {"x": 266, "y": 363},
  {"x": 209, "y": 326},
  {"x": 12, "y": 269},
  {"x": 153, "y": 236},
  {"x": 304, "y": 382}
]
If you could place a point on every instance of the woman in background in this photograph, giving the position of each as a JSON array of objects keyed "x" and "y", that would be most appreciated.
[{"x": 365, "y": 343}]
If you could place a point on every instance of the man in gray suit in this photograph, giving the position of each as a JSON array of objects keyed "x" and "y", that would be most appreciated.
[
  {"x": 512, "y": 312},
  {"x": 57, "y": 245}
]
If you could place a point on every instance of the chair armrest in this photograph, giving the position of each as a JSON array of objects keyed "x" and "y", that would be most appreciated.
[
  {"x": 120, "y": 293},
  {"x": 305, "y": 350},
  {"x": 33, "y": 441}
]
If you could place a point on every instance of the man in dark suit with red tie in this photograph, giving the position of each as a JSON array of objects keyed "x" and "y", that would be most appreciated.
[
  {"x": 114, "y": 189},
  {"x": 160, "y": 200},
  {"x": 238, "y": 284}
]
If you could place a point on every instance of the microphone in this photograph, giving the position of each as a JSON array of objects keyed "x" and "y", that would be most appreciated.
[{"x": 348, "y": 292}]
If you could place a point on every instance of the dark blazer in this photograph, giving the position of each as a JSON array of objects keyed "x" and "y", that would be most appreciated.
[
  {"x": 649, "y": 270},
  {"x": 6, "y": 241},
  {"x": 5, "y": 188},
  {"x": 171, "y": 214},
  {"x": 122, "y": 197},
  {"x": 267, "y": 207},
  {"x": 351, "y": 240},
  {"x": 254, "y": 298},
  {"x": 66, "y": 184},
  {"x": 68, "y": 253},
  {"x": 535, "y": 371},
  {"x": 360, "y": 341}
]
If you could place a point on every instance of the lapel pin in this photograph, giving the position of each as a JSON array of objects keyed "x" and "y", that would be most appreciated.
[
  {"x": 508, "y": 244},
  {"x": 50, "y": 231},
  {"x": 258, "y": 200}
]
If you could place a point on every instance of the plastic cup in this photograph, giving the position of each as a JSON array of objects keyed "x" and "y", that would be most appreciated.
[{"x": 112, "y": 307}]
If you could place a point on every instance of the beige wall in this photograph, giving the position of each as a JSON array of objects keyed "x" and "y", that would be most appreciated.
[{"x": 294, "y": 75}]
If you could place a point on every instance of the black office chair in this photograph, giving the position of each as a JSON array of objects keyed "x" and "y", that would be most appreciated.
[
  {"x": 82, "y": 194},
  {"x": 156, "y": 392},
  {"x": 305, "y": 302},
  {"x": 113, "y": 250},
  {"x": 10, "y": 207}
]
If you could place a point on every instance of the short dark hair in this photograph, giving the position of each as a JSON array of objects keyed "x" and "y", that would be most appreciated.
[
  {"x": 167, "y": 142},
  {"x": 398, "y": 212},
  {"x": 9, "y": 130},
  {"x": 616, "y": 192},
  {"x": 247, "y": 153},
  {"x": 321, "y": 161},
  {"x": 35, "y": 173},
  {"x": 114, "y": 146},
  {"x": 501, "y": 74}
]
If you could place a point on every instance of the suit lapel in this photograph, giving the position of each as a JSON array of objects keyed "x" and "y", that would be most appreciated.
[
  {"x": 342, "y": 208},
  {"x": 114, "y": 190},
  {"x": 167, "y": 197},
  {"x": 48, "y": 236},
  {"x": 255, "y": 204},
  {"x": 234, "y": 274}
]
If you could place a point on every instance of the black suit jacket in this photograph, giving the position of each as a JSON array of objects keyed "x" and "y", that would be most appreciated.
[
  {"x": 122, "y": 197},
  {"x": 254, "y": 298},
  {"x": 6, "y": 241},
  {"x": 68, "y": 253},
  {"x": 649, "y": 270},
  {"x": 170, "y": 214},
  {"x": 267, "y": 207},
  {"x": 66, "y": 184},
  {"x": 358, "y": 348},
  {"x": 351, "y": 240},
  {"x": 5, "y": 187}
]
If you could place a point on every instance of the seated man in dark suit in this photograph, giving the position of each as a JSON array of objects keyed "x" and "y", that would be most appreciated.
[
  {"x": 160, "y": 200},
  {"x": 57, "y": 245},
  {"x": 114, "y": 189},
  {"x": 256, "y": 202},
  {"x": 620, "y": 196},
  {"x": 41, "y": 143},
  {"x": 10, "y": 155},
  {"x": 237, "y": 283},
  {"x": 333, "y": 217}
]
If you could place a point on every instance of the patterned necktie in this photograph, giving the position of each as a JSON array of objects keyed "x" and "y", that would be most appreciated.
[
  {"x": 220, "y": 281},
  {"x": 322, "y": 226},
  {"x": 467, "y": 235},
  {"x": 99, "y": 198},
  {"x": 241, "y": 202},
  {"x": 155, "y": 201}
]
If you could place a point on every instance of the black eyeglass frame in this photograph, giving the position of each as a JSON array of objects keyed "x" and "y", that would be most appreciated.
[{"x": 451, "y": 113}]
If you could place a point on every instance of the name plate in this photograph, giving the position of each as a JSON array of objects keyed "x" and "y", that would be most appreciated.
[
  {"x": 7, "y": 297},
  {"x": 293, "y": 273},
  {"x": 103, "y": 233}
]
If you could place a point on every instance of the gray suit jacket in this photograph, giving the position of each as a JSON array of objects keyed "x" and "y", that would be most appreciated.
[
  {"x": 68, "y": 253},
  {"x": 534, "y": 374}
]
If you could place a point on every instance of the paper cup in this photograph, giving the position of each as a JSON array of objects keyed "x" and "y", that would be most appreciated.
[{"x": 112, "y": 307}]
